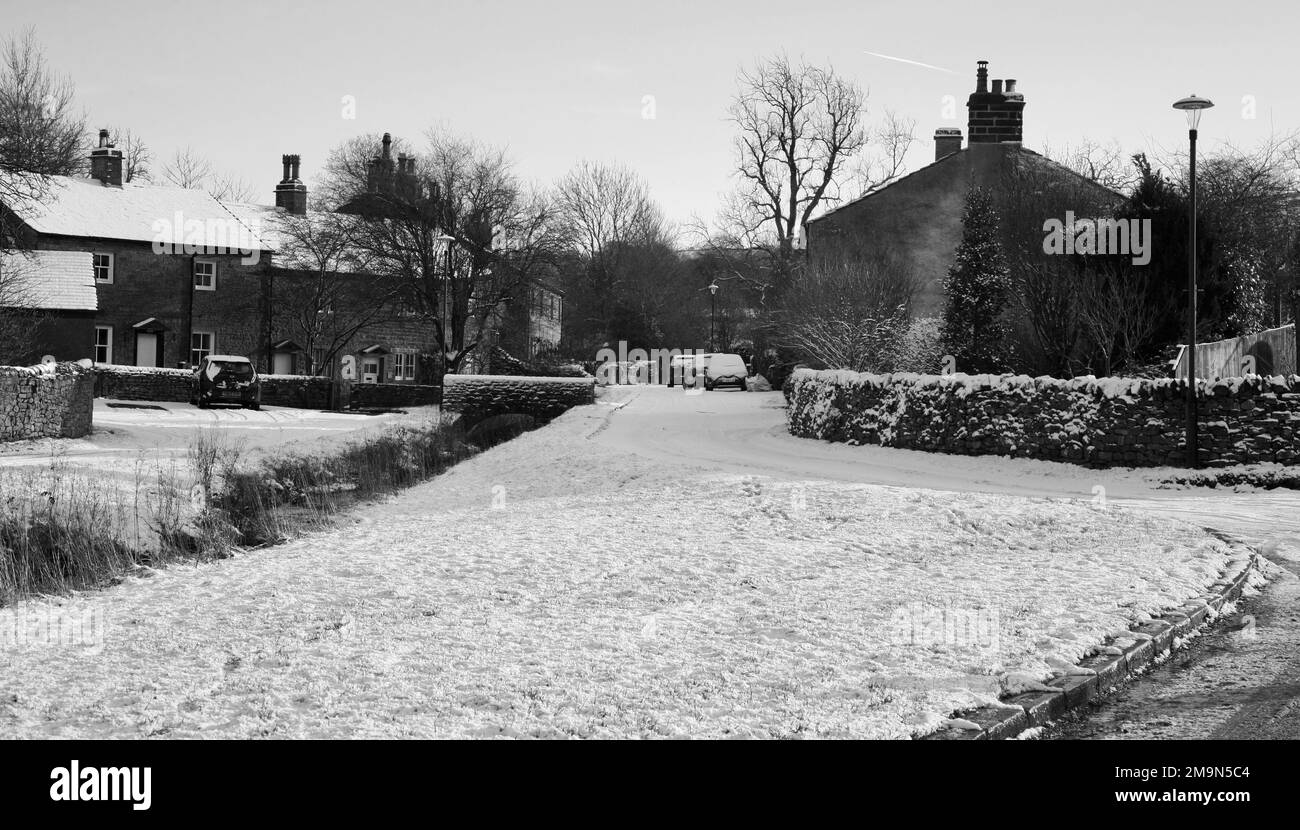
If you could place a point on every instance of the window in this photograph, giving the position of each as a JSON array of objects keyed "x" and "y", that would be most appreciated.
[
  {"x": 404, "y": 366},
  {"x": 200, "y": 346},
  {"x": 205, "y": 275},
  {"x": 104, "y": 268},
  {"x": 103, "y": 344}
]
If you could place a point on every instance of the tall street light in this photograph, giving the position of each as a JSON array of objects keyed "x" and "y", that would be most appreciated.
[
  {"x": 444, "y": 312},
  {"x": 1192, "y": 105},
  {"x": 713, "y": 312}
]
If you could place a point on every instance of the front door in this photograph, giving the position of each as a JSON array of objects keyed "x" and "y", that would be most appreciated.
[{"x": 146, "y": 349}]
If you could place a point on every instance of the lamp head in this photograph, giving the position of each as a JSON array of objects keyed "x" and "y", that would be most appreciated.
[
  {"x": 713, "y": 288},
  {"x": 1192, "y": 105}
]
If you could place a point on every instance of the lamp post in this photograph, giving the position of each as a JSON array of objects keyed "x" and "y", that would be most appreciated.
[
  {"x": 443, "y": 312},
  {"x": 1192, "y": 105},
  {"x": 713, "y": 312}
]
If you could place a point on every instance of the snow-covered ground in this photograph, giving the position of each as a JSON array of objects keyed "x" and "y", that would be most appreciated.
[
  {"x": 631, "y": 570},
  {"x": 125, "y": 431}
]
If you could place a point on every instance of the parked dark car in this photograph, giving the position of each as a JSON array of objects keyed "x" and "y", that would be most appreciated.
[{"x": 226, "y": 378}]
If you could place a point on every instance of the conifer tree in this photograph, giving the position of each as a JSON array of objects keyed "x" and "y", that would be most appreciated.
[{"x": 977, "y": 291}]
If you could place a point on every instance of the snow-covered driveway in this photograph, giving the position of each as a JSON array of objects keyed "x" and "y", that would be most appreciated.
[{"x": 608, "y": 577}]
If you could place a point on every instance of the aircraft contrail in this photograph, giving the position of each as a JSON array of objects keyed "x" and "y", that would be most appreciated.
[{"x": 914, "y": 63}]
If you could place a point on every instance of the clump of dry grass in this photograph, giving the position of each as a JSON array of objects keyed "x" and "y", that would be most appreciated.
[{"x": 64, "y": 529}]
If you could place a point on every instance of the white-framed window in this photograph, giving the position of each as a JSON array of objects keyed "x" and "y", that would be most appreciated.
[
  {"x": 103, "y": 268},
  {"x": 205, "y": 275},
  {"x": 103, "y": 344},
  {"x": 201, "y": 345},
  {"x": 404, "y": 366}
]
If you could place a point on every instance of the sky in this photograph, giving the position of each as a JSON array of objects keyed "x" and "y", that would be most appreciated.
[{"x": 566, "y": 80}]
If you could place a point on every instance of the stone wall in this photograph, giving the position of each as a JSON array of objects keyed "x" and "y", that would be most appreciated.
[
  {"x": 1098, "y": 422},
  {"x": 131, "y": 383},
  {"x": 53, "y": 400},
  {"x": 391, "y": 395},
  {"x": 298, "y": 391},
  {"x": 481, "y": 396}
]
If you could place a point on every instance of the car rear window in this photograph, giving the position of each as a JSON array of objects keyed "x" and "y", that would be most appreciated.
[
  {"x": 232, "y": 369},
  {"x": 727, "y": 364}
]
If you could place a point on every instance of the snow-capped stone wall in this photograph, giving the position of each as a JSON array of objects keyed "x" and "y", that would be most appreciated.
[
  {"x": 133, "y": 383},
  {"x": 139, "y": 383},
  {"x": 481, "y": 396},
  {"x": 1100, "y": 422},
  {"x": 52, "y": 400}
]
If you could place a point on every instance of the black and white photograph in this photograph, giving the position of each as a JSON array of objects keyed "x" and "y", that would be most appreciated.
[{"x": 381, "y": 375}]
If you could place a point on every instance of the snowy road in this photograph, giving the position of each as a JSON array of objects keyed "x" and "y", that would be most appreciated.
[
  {"x": 672, "y": 566},
  {"x": 745, "y": 432}
]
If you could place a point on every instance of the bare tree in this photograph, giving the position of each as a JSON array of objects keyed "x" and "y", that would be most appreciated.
[
  {"x": 190, "y": 170},
  {"x": 504, "y": 233},
  {"x": 330, "y": 294},
  {"x": 1114, "y": 311},
  {"x": 799, "y": 126},
  {"x": 1104, "y": 164},
  {"x": 848, "y": 313},
  {"x": 622, "y": 244},
  {"x": 137, "y": 158},
  {"x": 40, "y": 131},
  {"x": 882, "y": 160},
  {"x": 228, "y": 187},
  {"x": 187, "y": 169}
]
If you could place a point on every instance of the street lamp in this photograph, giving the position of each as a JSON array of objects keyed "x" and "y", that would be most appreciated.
[
  {"x": 1192, "y": 105},
  {"x": 713, "y": 311},
  {"x": 443, "y": 313}
]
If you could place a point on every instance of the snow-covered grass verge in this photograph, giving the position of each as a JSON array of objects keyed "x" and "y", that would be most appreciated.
[
  {"x": 65, "y": 528},
  {"x": 550, "y": 589}
]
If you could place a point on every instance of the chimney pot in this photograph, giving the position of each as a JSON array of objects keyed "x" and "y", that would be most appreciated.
[
  {"x": 997, "y": 116},
  {"x": 982, "y": 76},
  {"x": 291, "y": 193},
  {"x": 947, "y": 140},
  {"x": 388, "y": 141},
  {"x": 106, "y": 162}
]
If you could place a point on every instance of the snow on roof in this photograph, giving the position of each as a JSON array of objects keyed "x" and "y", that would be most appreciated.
[
  {"x": 53, "y": 280},
  {"x": 171, "y": 216}
]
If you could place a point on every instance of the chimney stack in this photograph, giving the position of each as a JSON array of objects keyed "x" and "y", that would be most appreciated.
[
  {"x": 291, "y": 193},
  {"x": 994, "y": 116},
  {"x": 106, "y": 162},
  {"x": 947, "y": 140},
  {"x": 381, "y": 175}
]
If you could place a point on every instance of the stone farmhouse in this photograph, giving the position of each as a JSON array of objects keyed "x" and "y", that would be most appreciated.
[
  {"x": 165, "y": 275},
  {"x": 917, "y": 218}
]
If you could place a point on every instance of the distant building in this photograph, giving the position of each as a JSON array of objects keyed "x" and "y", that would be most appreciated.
[
  {"x": 918, "y": 217},
  {"x": 169, "y": 275},
  {"x": 51, "y": 294}
]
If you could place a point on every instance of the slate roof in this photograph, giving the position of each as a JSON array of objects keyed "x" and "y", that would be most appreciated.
[
  {"x": 49, "y": 280},
  {"x": 138, "y": 213}
]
